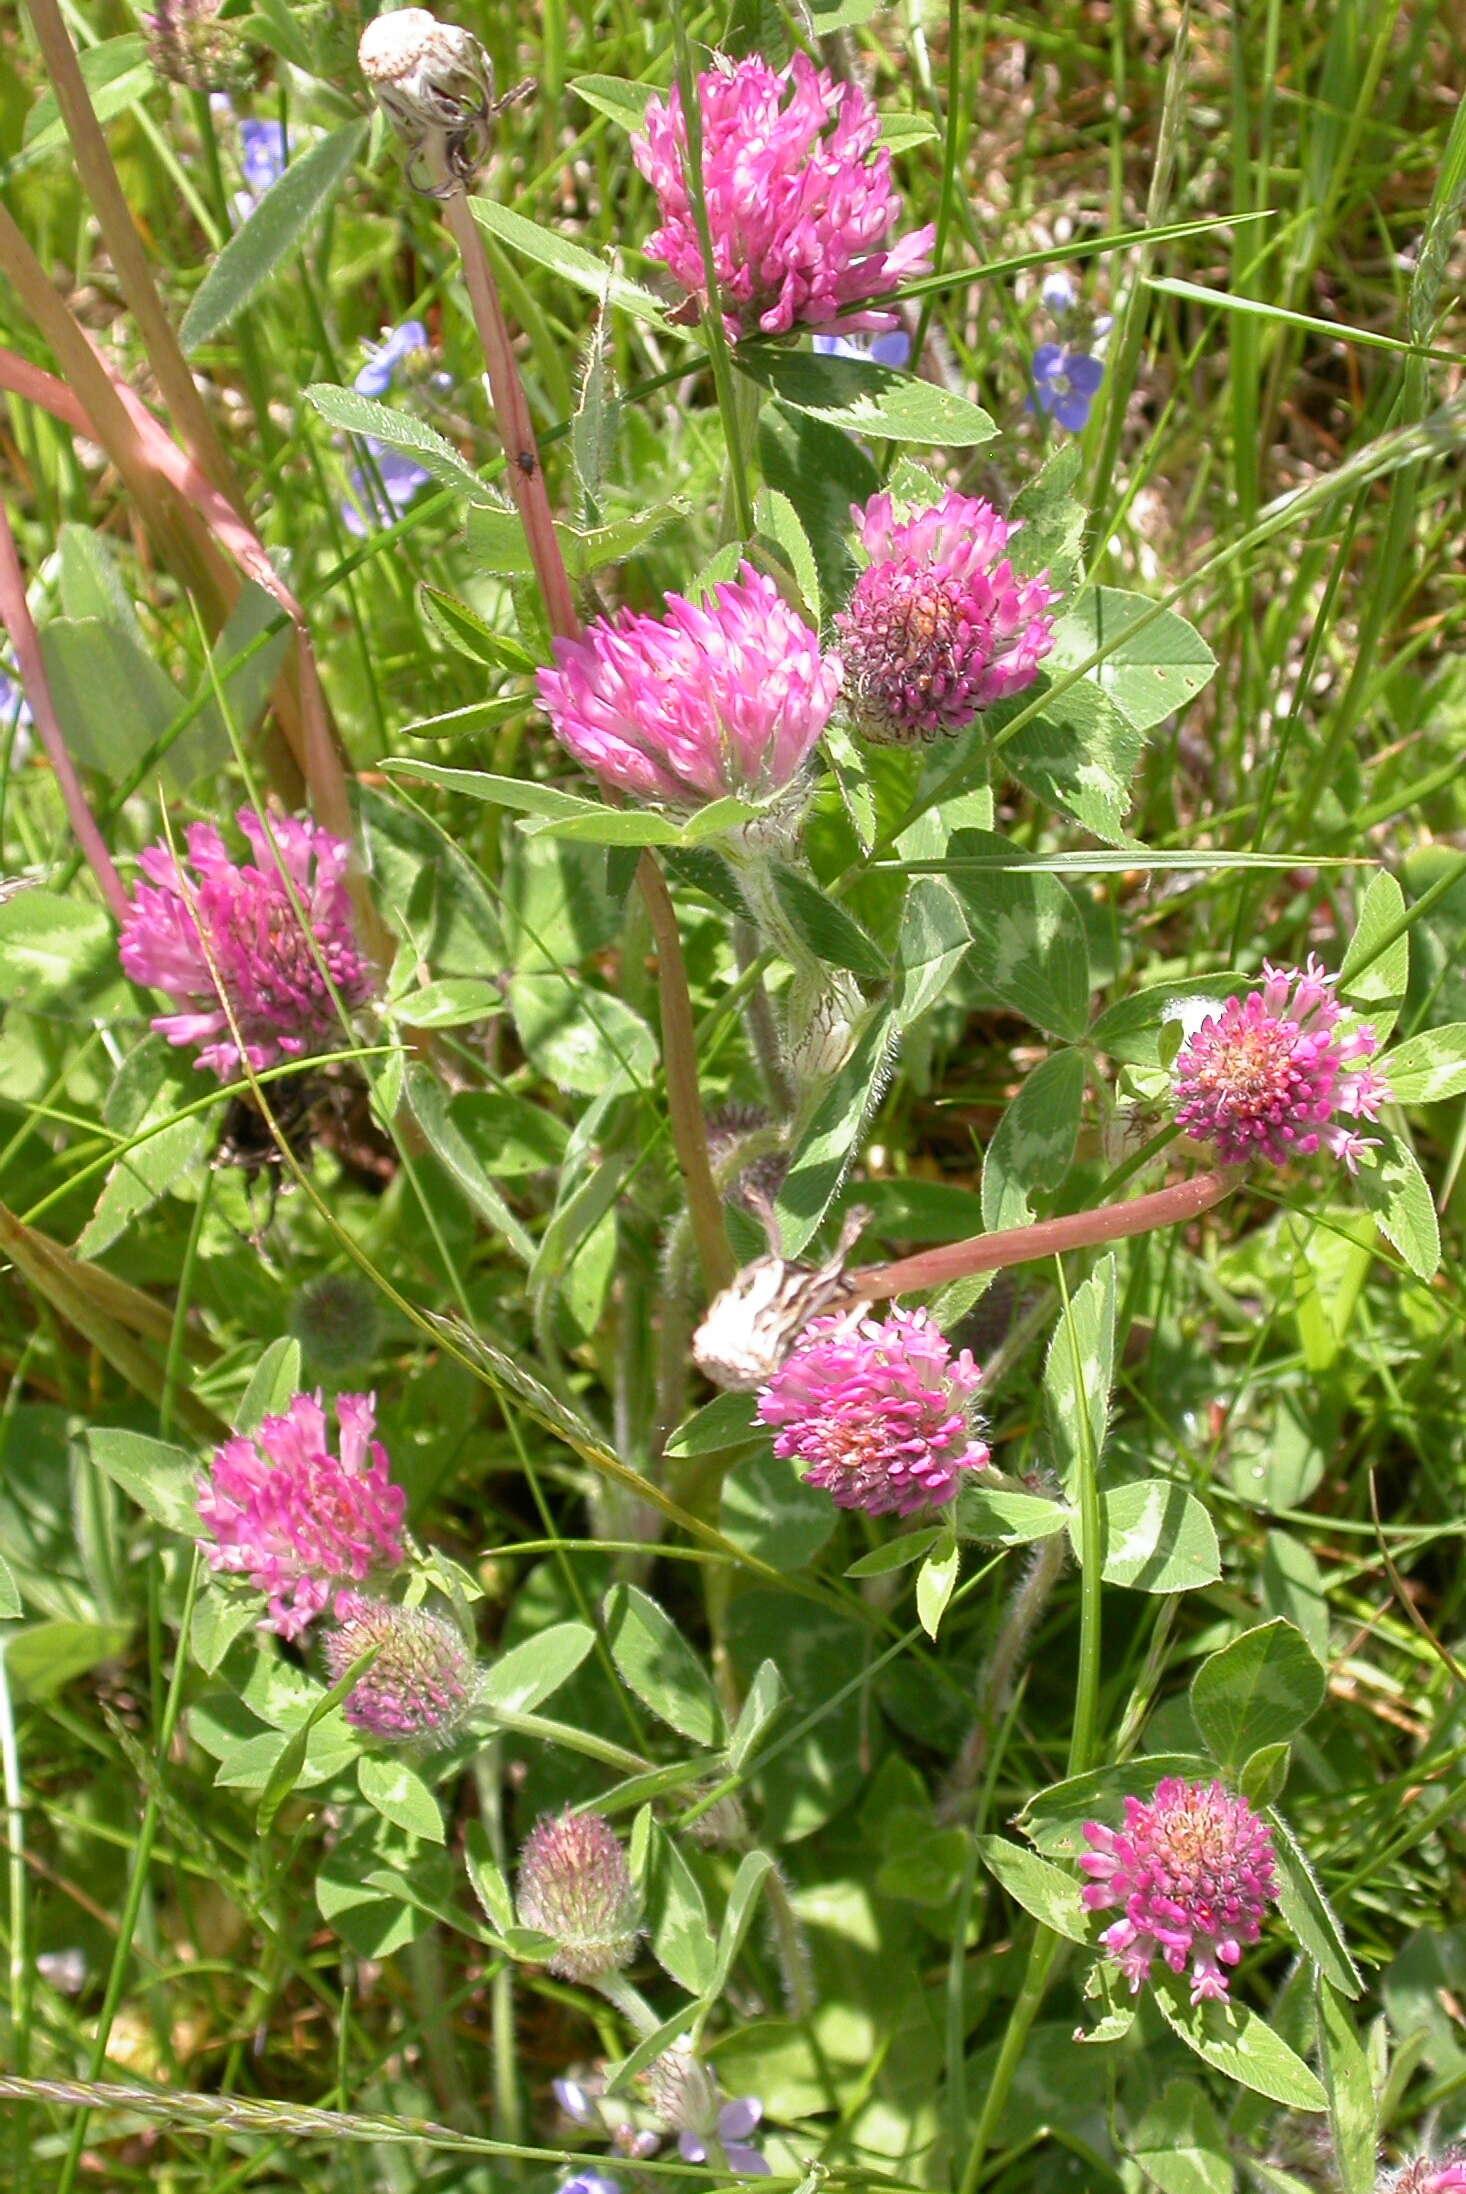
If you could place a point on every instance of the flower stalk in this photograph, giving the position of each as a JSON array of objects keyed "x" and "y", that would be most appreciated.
[
  {"x": 1164, "y": 1207},
  {"x": 435, "y": 90}
]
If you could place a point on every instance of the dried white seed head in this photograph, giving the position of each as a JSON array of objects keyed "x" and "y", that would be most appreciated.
[
  {"x": 753, "y": 1324},
  {"x": 435, "y": 84}
]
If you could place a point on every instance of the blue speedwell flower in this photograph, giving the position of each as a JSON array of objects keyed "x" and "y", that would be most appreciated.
[
  {"x": 383, "y": 489},
  {"x": 1059, "y": 293},
  {"x": 1065, "y": 383},
  {"x": 397, "y": 348},
  {"x": 264, "y": 150},
  {"x": 892, "y": 349}
]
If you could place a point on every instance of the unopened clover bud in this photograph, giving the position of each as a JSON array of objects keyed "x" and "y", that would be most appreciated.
[
  {"x": 575, "y": 1885},
  {"x": 435, "y": 84},
  {"x": 420, "y": 1687},
  {"x": 684, "y": 2093},
  {"x": 823, "y": 1019},
  {"x": 337, "y": 1322}
]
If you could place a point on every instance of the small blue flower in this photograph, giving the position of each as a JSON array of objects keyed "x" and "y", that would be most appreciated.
[
  {"x": 371, "y": 505},
  {"x": 891, "y": 349},
  {"x": 591, "y": 2182},
  {"x": 397, "y": 346},
  {"x": 576, "y": 2101},
  {"x": 380, "y": 501},
  {"x": 1059, "y": 293},
  {"x": 1065, "y": 383},
  {"x": 264, "y": 152},
  {"x": 14, "y": 707},
  {"x": 736, "y": 2120}
]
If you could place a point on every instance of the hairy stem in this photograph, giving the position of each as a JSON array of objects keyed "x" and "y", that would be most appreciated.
[
  {"x": 719, "y": 355},
  {"x": 527, "y": 484},
  {"x": 684, "y": 1096},
  {"x": 511, "y": 410},
  {"x": 1047, "y": 1237},
  {"x": 1081, "y": 1754},
  {"x": 1024, "y": 1609}
]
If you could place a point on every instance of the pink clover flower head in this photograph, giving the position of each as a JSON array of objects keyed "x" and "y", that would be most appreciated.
[
  {"x": 210, "y": 928},
  {"x": 1192, "y": 1872},
  {"x": 1271, "y": 1076},
  {"x": 879, "y": 1412},
  {"x": 800, "y": 200},
  {"x": 420, "y": 1687},
  {"x": 301, "y": 1523},
  {"x": 729, "y": 696},
  {"x": 1429, "y": 2175},
  {"x": 939, "y": 626},
  {"x": 575, "y": 1884}
]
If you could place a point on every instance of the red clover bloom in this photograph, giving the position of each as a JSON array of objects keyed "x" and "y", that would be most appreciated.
[
  {"x": 1192, "y": 1872},
  {"x": 1270, "y": 1077},
  {"x": 1428, "y": 2175},
  {"x": 940, "y": 626},
  {"x": 878, "y": 1411},
  {"x": 726, "y": 697},
  {"x": 575, "y": 1884},
  {"x": 300, "y": 1523},
  {"x": 420, "y": 1687},
  {"x": 799, "y": 199},
  {"x": 213, "y": 928}
]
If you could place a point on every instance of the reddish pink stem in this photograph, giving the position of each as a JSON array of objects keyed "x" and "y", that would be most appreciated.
[
  {"x": 511, "y": 409},
  {"x": 15, "y": 612},
  {"x": 1022, "y": 1245}
]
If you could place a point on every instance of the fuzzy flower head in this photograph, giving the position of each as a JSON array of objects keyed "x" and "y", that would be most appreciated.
[
  {"x": 210, "y": 928},
  {"x": 575, "y": 1884},
  {"x": 800, "y": 200},
  {"x": 301, "y": 1523},
  {"x": 188, "y": 45},
  {"x": 940, "y": 626},
  {"x": 1271, "y": 1076},
  {"x": 1428, "y": 2175},
  {"x": 726, "y": 697},
  {"x": 1192, "y": 1873},
  {"x": 419, "y": 1689},
  {"x": 877, "y": 1411}
]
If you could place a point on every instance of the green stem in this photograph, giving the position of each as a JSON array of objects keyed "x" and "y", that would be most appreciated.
[
  {"x": 136, "y": 1889},
  {"x": 1025, "y": 2010},
  {"x": 629, "y": 2001},
  {"x": 576, "y": 1740},
  {"x": 719, "y": 355},
  {"x": 1081, "y": 1752},
  {"x": 20, "y": 1963},
  {"x": 1086, "y": 1690},
  {"x": 508, "y": 2115}
]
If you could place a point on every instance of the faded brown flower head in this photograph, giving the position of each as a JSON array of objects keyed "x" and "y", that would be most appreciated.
[
  {"x": 188, "y": 45},
  {"x": 435, "y": 84}
]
